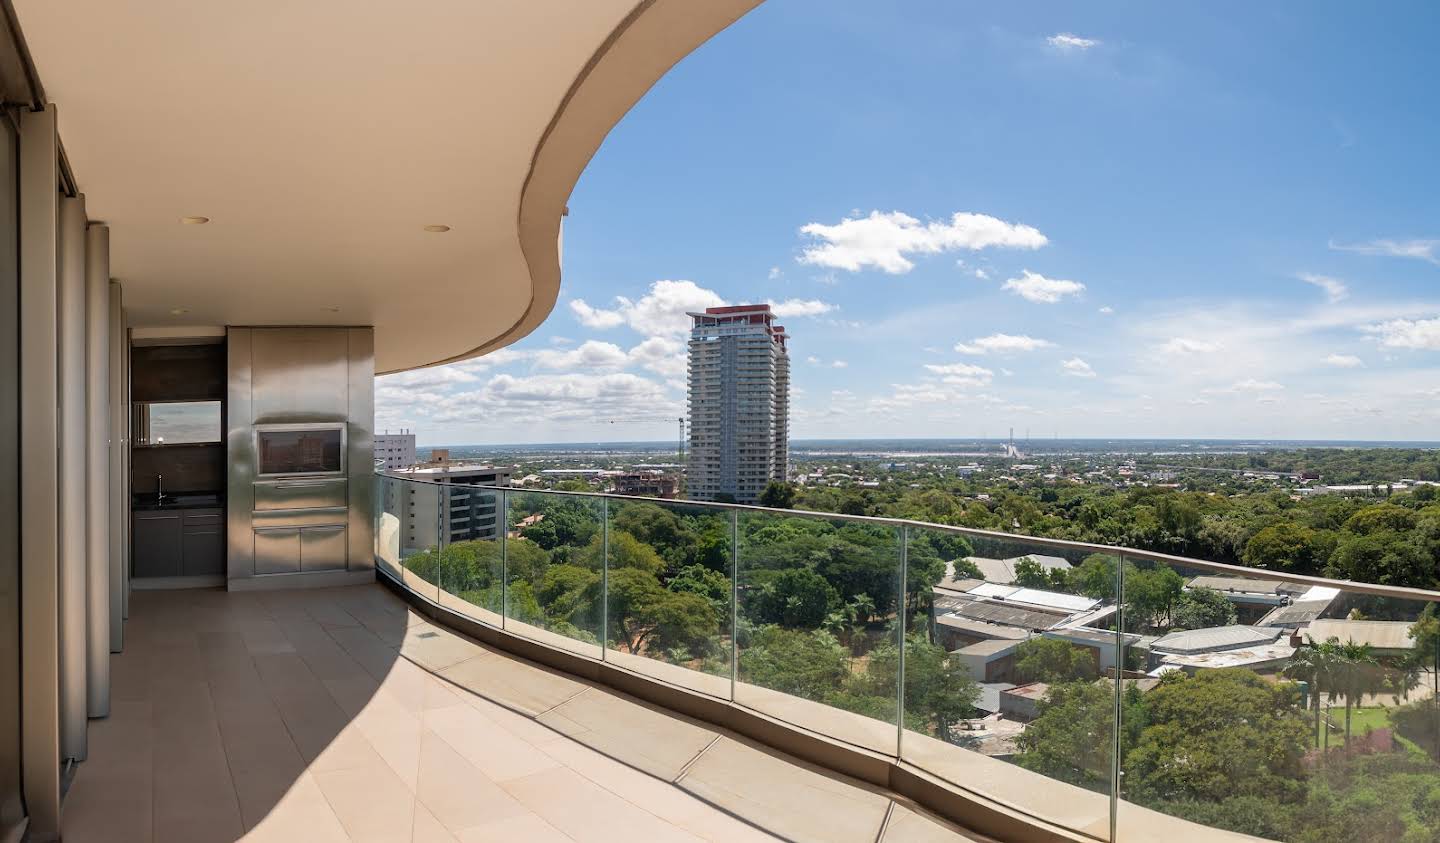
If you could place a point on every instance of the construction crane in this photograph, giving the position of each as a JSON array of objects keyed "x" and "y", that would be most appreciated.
[{"x": 679, "y": 422}]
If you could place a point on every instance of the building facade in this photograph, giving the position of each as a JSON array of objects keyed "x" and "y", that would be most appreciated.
[
  {"x": 450, "y": 509},
  {"x": 394, "y": 450},
  {"x": 739, "y": 403}
]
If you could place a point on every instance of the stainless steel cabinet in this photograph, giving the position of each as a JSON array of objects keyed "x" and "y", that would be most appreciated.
[
  {"x": 277, "y": 550},
  {"x": 322, "y": 548},
  {"x": 289, "y": 550}
]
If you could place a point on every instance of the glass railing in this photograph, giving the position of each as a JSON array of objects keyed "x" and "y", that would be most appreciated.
[{"x": 1117, "y": 693}]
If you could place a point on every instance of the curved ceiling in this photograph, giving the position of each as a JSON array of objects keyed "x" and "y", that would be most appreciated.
[{"x": 321, "y": 138}]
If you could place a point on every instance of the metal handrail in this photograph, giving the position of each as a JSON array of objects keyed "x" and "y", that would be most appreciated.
[{"x": 1086, "y": 548}]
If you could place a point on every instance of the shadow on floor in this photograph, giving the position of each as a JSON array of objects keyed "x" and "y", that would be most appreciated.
[{"x": 339, "y": 714}]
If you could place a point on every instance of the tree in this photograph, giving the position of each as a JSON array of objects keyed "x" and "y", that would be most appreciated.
[
  {"x": 1095, "y": 576},
  {"x": 1381, "y": 517},
  {"x": 797, "y": 597},
  {"x": 939, "y": 690},
  {"x": 1031, "y": 574},
  {"x": 1199, "y": 608},
  {"x": 809, "y": 664},
  {"x": 698, "y": 579},
  {"x": 1356, "y": 672},
  {"x": 778, "y": 495},
  {"x": 1219, "y": 734},
  {"x": 1051, "y": 660},
  {"x": 623, "y": 551},
  {"x": 570, "y": 593},
  {"x": 1315, "y": 666},
  {"x": 1151, "y": 594},
  {"x": 1285, "y": 546},
  {"x": 1072, "y": 738}
]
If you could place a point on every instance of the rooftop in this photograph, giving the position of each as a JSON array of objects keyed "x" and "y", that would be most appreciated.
[
  {"x": 1382, "y": 635},
  {"x": 1213, "y": 639}
]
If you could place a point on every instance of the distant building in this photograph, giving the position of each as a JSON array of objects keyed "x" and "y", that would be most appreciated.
[
  {"x": 1003, "y": 570},
  {"x": 1385, "y": 638},
  {"x": 739, "y": 403},
  {"x": 645, "y": 484},
  {"x": 450, "y": 509},
  {"x": 394, "y": 450}
]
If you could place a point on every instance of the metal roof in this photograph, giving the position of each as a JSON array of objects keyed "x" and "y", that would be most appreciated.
[
  {"x": 1215, "y": 639},
  {"x": 1296, "y": 613},
  {"x": 1245, "y": 585},
  {"x": 983, "y": 629},
  {"x": 1382, "y": 635}
]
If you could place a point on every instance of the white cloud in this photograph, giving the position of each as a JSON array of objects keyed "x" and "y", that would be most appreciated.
[
  {"x": 661, "y": 355},
  {"x": 1248, "y": 385},
  {"x": 982, "y": 274},
  {"x": 962, "y": 374},
  {"x": 775, "y": 273},
  {"x": 1068, "y": 42},
  {"x": 1423, "y": 334},
  {"x": 1077, "y": 368},
  {"x": 598, "y": 319},
  {"x": 1186, "y": 345},
  {"x": 883, "y": 240},
  {"x": 1001, "y": 344},
  {"x": 1425, "y": 250},
  {"x": 1037, "y": 288},
  {"x": 813, "y": 360},
  {"x": 591, "y": 354},
  {"x": 1335, "y": 289},
  {"x": 1107, "y": 310},
  {"x": 800, "y": 307},
  {"x": 839, "y": 364},
  {"x": 1344, "y": 361},
  {"x": 660, "y": 311}
]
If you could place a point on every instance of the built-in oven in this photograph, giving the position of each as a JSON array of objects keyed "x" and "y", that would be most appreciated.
[{"x": 300, "y": 450}]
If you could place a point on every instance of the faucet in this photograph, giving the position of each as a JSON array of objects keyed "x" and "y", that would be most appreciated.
[{"x": 159, "y": 488}]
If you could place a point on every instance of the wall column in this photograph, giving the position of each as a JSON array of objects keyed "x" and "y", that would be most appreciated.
[
  {"x": 74, "y": 537},
  {"x": 119, "y": 473},
  {"x": 39, "y": 470},
  {"x": 97, "y": 470}
]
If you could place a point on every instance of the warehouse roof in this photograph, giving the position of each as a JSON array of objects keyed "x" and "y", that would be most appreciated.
[
  {"x": 1214, "y": 639},
  {"x": 1382, "y": 635}
]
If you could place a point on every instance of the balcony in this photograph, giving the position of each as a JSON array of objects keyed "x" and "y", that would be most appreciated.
[
  {"x": 1054, "y": 708},
  {"x": 340, "y": 714}
]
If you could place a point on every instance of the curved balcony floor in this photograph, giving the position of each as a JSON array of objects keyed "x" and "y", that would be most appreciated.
[{"x": 342, "y": 715}]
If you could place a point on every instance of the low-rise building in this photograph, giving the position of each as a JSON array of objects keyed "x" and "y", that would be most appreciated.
[
  {"x": 645, "y": 484},
  {"x": 1385, "y": 638}
]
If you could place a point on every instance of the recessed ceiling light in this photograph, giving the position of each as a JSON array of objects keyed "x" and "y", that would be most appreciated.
[
  {"x": 178, "y": 311},
  {"x": 194, "y": 220},
  {"x": 437, "y": 228}
]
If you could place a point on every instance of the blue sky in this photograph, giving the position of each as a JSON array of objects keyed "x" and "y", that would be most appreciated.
[{"x": 1098, "y": 219}]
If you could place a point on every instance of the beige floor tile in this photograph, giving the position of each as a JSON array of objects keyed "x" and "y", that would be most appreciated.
[
  {"x": 908, "y": 826},
  {"x": 194, "y": 796},
  {"x": 371, "y": 803},
  {"x": 589, "y": 812},
  {"x": 416, "y": 688},
  {"x": 513, "y": 683},
  {"x": 435, "y": 648},
  {"x": 494, "y": 751},
  {"x": 784, "y": 797},
  {"x": 527, "y": 827},
  {"x": 457, "y": 793},
  {"x": 362, "y": 645},
  {"x": 427, "y": 829},
  {"x": 110, "y": 799},
  {"x": 632, "y": 732},
  {"x": 301, "y": 814},
  {"x": 661, "y": 798}
]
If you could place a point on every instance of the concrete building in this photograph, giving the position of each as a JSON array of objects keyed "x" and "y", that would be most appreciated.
[
  {"x": 449, "y": 509},
  {"x": 739, "y": 403},
  {"x": 394, "y": 450},
  {"x": 645, "y": 484}
]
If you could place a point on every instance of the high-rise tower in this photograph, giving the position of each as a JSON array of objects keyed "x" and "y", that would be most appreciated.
[{"x": 739, "y": 402}]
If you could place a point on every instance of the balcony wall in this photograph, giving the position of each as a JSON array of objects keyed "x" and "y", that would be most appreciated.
[{"x": 712, "y": 610}]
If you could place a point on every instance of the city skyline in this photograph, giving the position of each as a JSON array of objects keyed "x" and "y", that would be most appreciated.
[{"x": 1104, "y": 224}]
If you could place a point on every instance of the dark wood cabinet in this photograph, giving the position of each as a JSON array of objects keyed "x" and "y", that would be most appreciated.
[{"x": 179, "y": 543}]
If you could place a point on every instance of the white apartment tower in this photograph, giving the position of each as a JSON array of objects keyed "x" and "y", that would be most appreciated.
[
  {"x": 396, "y": 450},
  {"x": 739, "y": 403}
]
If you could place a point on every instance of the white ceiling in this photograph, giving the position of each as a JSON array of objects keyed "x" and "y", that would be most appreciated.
[{"x": 319, "y": 136}]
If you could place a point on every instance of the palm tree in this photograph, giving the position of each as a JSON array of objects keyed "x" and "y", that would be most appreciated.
[
  {"x": 1357, "y": 673},
  {"x": 1315, "y": 666}
]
